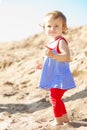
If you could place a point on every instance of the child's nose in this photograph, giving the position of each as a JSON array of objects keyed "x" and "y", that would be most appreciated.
[{"x": 52, "y": 28}]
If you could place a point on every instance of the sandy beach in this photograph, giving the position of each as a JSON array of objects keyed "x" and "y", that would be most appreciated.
[{"x": 23, "y": 106}]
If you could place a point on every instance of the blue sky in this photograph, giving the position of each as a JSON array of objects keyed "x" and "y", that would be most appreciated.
[{"x": 20, "y": 19}]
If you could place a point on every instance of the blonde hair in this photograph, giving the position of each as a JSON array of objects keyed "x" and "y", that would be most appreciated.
[{"x": 54, "y": 15}]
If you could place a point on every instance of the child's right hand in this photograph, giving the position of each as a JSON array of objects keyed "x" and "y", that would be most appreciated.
[{"x": 38, "y": 66}]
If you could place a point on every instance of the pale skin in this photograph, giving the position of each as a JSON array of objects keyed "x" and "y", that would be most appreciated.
[
  {"x": 64, "y": 56},
  {"x": 54, "y": 28}
]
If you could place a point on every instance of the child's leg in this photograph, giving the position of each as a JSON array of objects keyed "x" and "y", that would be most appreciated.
[{"x": 57, "y": 103}]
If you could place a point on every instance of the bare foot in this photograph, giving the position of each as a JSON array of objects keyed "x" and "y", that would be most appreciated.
[
  {"x": 57, "y": 122},
  {"x": 65, "y": 118},
  {"x": 54, "y": 123}
]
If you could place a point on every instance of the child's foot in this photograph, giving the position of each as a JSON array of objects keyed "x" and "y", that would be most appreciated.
[
  {"x": 54, "y": 123},
  {"x": 65, "y": 118},
  {"x": 57, "y": 122}
]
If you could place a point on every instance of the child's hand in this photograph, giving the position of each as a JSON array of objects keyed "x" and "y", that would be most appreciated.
[
  {"x": 49, "y": 53},
  {"x": 38, "y": 66}
]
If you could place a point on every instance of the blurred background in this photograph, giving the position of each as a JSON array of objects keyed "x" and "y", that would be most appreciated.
[{"x": 20, "y": 18}]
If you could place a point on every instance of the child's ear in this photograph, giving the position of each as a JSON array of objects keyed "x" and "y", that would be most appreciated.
[{"x": 64, "y": 29}]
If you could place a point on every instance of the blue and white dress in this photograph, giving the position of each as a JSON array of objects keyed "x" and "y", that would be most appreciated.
[{"x": 56, "y": 74}]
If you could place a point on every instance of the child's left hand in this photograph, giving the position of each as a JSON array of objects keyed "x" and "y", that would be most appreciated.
[{"x": 49, "y": 53}]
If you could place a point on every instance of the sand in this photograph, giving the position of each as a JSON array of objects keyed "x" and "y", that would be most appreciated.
[{"x": 23, "y": 106}]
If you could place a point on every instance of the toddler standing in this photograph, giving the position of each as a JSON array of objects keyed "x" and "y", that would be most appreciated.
[{"x": 56, "y": 76}]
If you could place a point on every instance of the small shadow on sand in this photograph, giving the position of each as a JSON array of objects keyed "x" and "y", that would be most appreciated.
[
  {"x": 85, "y": 119},
  {"x": 81, "y": 94},
  {"x": 25, "y": 108},
  {"x": 80, "y": 123}
]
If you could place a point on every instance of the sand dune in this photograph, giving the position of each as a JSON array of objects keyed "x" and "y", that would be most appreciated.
[{"x": 25, "y": 107}]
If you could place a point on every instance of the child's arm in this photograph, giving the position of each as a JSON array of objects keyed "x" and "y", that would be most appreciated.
[
  {"x": 64, "y": 56},
  {"x": 38, "y": 63}
]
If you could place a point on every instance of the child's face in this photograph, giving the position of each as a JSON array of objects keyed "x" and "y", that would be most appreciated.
[{"x": 53, "y": 27}]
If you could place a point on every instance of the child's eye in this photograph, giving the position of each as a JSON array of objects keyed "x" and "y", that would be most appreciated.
[
  {"x": 49, "y": 26},
  {"x": 56, "y": 26}
]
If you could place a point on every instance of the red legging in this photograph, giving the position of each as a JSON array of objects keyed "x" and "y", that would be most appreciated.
[{"x": 57, "y": 103}]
